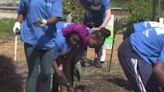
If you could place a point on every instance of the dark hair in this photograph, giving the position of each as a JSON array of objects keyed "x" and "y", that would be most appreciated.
[
  {"x": 101, "y": 34},
  {"x": 10, "y": 80},
  {"x": 105, "y": 32}
]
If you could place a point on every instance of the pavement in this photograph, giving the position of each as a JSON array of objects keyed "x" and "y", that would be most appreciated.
[
  {"x": 8, "y": 15},
  {"x": 7, "y": 10}
]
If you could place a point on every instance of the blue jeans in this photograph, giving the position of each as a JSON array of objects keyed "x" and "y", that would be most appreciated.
[{"x": 36, "y": 58}]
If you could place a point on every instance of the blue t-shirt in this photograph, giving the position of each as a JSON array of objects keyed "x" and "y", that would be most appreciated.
[
  {"x": 40, "y": 38},
  {"x": 148, "y": 41},
  {"x": 61, "y": 45},
  {"x": 95, "y": 16},
  {"x": 141, "y": 26}
]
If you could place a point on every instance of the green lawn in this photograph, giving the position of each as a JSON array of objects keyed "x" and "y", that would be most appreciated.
[{"x": 6, "y": 27}]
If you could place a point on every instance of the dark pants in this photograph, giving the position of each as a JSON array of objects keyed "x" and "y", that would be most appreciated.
[
  {"x": 97, "y": 59},
  {"x": 138, "y": 71},
  {"x": 35, "y": 59}
]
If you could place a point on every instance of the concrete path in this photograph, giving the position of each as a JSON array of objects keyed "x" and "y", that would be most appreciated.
[{"x": 8, "y": 15}]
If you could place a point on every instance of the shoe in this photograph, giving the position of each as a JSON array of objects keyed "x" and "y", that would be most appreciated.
[
  {"x": 63, "y": 80},
  {"x": 97, "y": 64},
  {"x": 83, "y": 64}
]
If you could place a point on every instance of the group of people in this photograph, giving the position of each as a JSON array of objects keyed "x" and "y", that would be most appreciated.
[{"x": 49, "y": 43}]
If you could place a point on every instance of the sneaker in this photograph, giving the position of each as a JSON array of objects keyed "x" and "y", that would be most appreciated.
[
  {"x": 83, "y": 64},
  {"x": 97, "y": 64}
]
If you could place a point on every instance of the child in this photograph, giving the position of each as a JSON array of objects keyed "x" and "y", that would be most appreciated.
[{"x": 70, "y": 43}]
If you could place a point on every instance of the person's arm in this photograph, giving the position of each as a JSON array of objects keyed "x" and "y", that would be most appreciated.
[
  {"x": 106, "y": 19},
  {"x": 53, "y": 20},
  {"x": 55, "y": 16},
  {"x": 106, "y": 4},
  {"x": 20, "y": 18},
  {"x": 21, "y": 13},
  {"x": 17, "y": 24},
  {"x": 158, "y": 71}
]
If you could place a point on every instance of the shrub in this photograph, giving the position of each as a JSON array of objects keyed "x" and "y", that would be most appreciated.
[
  {"x": 139, "y": 10},
  {"x": 72, "y": 6}
]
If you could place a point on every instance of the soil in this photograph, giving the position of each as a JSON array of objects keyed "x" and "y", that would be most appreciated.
[{"x": 92, "y": 79}]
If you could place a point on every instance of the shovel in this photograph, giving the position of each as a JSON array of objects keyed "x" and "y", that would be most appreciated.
[{"x": 15, "y": 43}]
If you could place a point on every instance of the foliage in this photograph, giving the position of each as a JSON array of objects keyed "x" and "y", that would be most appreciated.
[
  {"x": 73, "y": 7},
  {"x": 140, "y": 10},
  {"x": 116, "y": 3},
  {"x": 6, "y": 27}
]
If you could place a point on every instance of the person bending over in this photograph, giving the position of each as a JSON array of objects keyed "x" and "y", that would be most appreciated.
[
  {"x": 71, "y": 41},
  {"x": 141, "y": 56}
]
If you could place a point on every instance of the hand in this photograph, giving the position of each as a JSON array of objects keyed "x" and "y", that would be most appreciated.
[
  {"x": 40, "y": 23},
  {"x": 16, "y": 28},
  {"x": 96, "y": 29}
]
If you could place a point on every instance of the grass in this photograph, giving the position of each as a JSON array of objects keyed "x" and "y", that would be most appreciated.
[{"x": 6, "y": 26}]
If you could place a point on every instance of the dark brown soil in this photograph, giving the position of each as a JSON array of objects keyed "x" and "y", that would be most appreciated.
[{"x": 93, "y": 79}]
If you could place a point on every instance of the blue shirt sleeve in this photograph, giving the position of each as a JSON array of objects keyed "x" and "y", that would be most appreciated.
[
  {"x": 106, "y": 4},
  {"x": 61, "y": 25},
  {"x": 57, "y": 8},
  {"x": 22, "y": 7},
  {"x": 161, "y": 57}
]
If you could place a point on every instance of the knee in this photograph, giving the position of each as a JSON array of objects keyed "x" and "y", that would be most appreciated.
[
  {"x": 45, "y": 75},
  {"x": 33, "y": 73}
]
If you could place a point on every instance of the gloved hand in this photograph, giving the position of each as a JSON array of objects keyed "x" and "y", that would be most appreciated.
[
  {"x": 16, "y": 28},
  {"x": 40, "y": 23}
]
